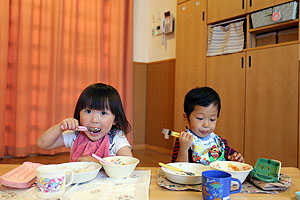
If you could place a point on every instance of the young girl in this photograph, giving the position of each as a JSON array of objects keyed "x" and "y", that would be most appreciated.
[{"x": 99, "y": 106}]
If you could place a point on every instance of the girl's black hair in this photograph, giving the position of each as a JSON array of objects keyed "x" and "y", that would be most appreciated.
[
  {"x": 203, "y": 96},
  {"x": 100, "y": 96}
]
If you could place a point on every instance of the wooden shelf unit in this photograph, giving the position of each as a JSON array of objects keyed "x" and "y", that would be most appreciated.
[
  {"x": 251, "y": 85},
  {"x": 273, "y": 27}
]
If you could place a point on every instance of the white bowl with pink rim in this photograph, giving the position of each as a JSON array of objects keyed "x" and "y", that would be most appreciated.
[
  {"x": 236, "y": 169},
  {"x": 120, "y": 167}
]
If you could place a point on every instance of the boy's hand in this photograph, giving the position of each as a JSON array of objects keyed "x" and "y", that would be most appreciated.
[
  {"x": 236, "y": 157},
  {"x": 69, "y": 124},
  {"x": 185, "y": 140}
]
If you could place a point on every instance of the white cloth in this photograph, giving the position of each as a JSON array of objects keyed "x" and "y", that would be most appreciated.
[
  {"x": 225, "y": 39},
  {"x": 117, "y": 140}
]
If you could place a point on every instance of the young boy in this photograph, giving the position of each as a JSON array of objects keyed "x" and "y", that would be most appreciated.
[{"x": 199, "y": 143}]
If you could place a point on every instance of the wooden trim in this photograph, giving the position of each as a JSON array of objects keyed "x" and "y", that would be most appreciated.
[
  {"x": 155, "y": 62},
  {"x": 181, "y": 1},
  {"x": 138, "y": 146},
  {"x": 160, "y": 97},
  {"x": 153, "y": 148},
  {"x": 271, "y": 46},
  {"x": 139, "y": 102},
  {"x": 272, "y": 27}
]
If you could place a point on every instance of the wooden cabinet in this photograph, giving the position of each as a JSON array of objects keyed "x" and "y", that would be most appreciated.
[
  {"x": 190, "y": 53},
  {"x": 254, "y": 5},
  {"x": 259, "y": 87},
  {"x": 220, "y": 10},
  {"x": 226, "y": 74},
  {"x": 181, "y": 1},
  {"x": 259, "y": 101},
  {"x": 271, "y": 126}
]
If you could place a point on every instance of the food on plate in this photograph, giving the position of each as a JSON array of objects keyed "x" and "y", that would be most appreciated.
[
  {"x": 83, "y": 169},
  {"x": 235, "y": 168},
  {"x": 117, "y": 161}
]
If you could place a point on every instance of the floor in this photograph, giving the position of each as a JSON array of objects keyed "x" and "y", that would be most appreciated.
[{"x": 147, "y": 157}]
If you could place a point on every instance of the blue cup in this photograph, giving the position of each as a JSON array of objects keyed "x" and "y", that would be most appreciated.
[{"x": 216, "y": 185}]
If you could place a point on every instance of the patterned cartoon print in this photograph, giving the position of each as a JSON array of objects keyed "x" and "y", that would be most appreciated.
[
  {"x": 208, "y": 149},
  {"x": 212, "y": 189},
  {"x": 50, "y": 184}
]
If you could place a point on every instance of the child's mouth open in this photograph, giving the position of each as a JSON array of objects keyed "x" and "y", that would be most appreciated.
[
  {"x": 95, "y": 131},
  {"x": 204, "y": 132}
]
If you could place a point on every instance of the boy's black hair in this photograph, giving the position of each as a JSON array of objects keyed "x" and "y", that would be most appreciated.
[
  {"x": 201, "y": 96},
  {"x": 100, "y": 96}
]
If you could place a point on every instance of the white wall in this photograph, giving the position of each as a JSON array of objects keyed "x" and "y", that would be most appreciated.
[
  {"x": 148, "y": 48},
  {"x": 140, "y": 30}
]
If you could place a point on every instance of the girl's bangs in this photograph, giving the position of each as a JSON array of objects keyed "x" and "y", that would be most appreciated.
[{"x": 98, "y": 103}]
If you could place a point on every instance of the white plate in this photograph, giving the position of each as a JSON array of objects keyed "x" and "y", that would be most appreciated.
[
  {"x": 181, "y": 178},
  {"x": 83, "y": 171}
]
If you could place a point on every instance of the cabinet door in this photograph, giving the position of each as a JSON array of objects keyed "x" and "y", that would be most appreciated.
[
  {"x": 181, "y": 1},
  {"x": 221, "y": 10},
  {"x": 226, "y": 74},
  {"x": 190, "y": 53},
  {"x": 271, "y": 123},
  {"x": 254, "y": 5}
]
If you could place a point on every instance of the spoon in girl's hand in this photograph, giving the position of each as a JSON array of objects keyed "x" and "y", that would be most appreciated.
[
  {"x": 85, "y": 128},
  {"x": 101, "y": 159}
]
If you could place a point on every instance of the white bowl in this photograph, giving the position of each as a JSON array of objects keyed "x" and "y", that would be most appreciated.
[
  {"x": 182, "y": 178},
  {"x": 122, "y": 166},
  {"x": 236, "y": 169},
  {"x": 83, "y": 171}
]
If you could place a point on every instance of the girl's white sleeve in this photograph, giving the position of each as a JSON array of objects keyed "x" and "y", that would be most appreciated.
[
  {"x": 69, "y": 138},
  {"x": 119, "y": 141}
]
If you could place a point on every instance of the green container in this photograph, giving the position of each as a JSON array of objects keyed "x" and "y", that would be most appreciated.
[{"x": 266, "y": 170}]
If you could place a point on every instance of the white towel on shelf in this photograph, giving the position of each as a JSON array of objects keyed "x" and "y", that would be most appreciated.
[{"x": 225, "y": 39}]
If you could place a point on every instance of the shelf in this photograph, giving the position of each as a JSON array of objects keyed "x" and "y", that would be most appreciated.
[
  {"x": 271, "y": 46},
  {"x": 281, "y": 25}
]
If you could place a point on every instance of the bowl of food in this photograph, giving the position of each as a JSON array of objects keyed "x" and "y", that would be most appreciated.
[
  {"x": 183, "y": 177},
  {"x": 83, "y": 171},
  {"x": 236, "y": 169},
  {"x": 120, "y": 166}
]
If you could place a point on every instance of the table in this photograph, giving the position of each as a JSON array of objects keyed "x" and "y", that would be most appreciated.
[{"x": 160, "y": 193}]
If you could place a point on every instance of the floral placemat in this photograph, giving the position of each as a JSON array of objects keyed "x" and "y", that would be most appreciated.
[
  {"x": 247, "y": 187},
  {"x": 135, "y": 187},
  {"x": 284, "y": 183},
  {"x": 9, "y": 193},
  {"x": 164, "y": 182}
]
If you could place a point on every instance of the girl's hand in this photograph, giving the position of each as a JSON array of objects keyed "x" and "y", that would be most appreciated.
[
  {"x": 87, "y": 159},
  {"x": 236, "y": 157},
  {"x": 69, "y": 124},
  {"x": 185, "y": 140}
]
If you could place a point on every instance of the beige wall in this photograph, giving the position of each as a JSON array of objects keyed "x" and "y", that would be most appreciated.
[
  {"x": 147, "y": 48},
  {"x": 146, "y": 51}
]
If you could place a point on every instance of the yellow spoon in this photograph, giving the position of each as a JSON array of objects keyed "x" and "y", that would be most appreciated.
[{"x": 176, "y": 169}]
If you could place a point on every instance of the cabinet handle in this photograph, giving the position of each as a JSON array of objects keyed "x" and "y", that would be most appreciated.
[
  {"x": 243, "y": 4},
  {"x": 250, "y": 3},
  {"x": 249, "y": 61},
  {"x": 242, "y": 62},
  {"x": 203, "y": 16}
]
